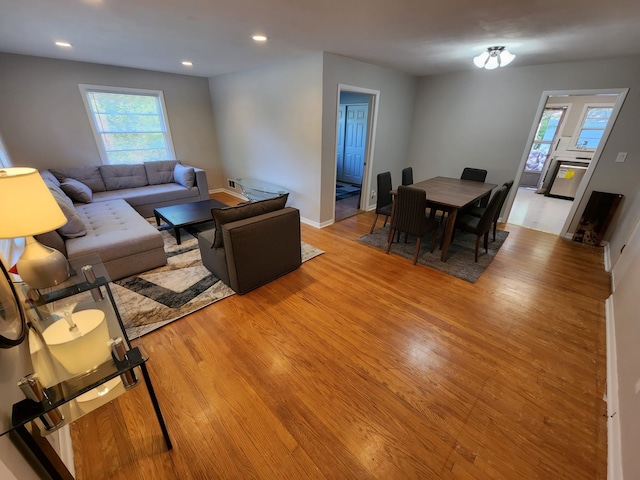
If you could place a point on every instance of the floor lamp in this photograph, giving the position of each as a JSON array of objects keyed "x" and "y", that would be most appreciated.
[{"x": 27, "y": 208}]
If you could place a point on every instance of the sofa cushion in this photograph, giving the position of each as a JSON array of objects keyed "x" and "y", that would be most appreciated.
[
  {"x": 74, "y": 226},
  {"x": 117, "y": 177},
  {"x": 246, "y": 210},
  {"x": 76, "y": 190},
  {"x": 185, "y": 176},
  {"x": 89, "y": 175},
  {"x": 160, "y": 172}
]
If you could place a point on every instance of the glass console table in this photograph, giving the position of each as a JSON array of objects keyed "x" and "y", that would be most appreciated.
[
  {"x": 66, "y": 388},
  {"x": 256, "y": 190}
]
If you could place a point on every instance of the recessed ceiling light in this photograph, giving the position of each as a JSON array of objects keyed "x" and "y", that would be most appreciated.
[
  {"x": 187, "y": 63},
  {"x": 260, "y": 38},
  {"x": 63, "y": 44}
]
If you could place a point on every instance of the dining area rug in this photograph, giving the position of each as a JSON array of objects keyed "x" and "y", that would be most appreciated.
[
  {"x": 152, "y": 299},
  {"x": 460, "y": 261}
]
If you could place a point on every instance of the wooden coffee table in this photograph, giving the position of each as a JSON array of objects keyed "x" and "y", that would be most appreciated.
[{"x": 187, "y": 215}]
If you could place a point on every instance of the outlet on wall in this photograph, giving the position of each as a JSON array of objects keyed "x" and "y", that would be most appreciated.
[
  {"x": 232, "y": 184},
  {"x": 373, "y": 194}
]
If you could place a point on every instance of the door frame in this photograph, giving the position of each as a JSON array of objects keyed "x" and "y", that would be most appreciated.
[
  {"x": 372, "y": 124},
  {"x": 621, "y": 95}
]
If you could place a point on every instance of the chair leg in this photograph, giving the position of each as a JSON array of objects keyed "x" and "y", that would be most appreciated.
[
  {"x": 375, "y": 220},
  {"x": 477, "y": 246},
  {"x": 390, "y": 240},
  {"x": 386, "y": 217},
  {"x": 486, "y": 242},
  {"x": 495, "y": 227},
  {"x": 415, "y": 254}
]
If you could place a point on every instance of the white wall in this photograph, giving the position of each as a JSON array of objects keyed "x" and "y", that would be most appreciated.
[
  {"x": 268, "y": 122},
  {"x": 395, "y": 112},
  {"x": 44, "y": 123},
  {"x": 627, "y": 328},
  {"x": 482, "y": 119}
]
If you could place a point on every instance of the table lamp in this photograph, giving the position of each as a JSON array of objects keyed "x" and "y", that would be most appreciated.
[{"x": 27, "y": 208}]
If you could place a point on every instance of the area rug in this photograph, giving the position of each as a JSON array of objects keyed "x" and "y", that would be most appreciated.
[
  {"x": 345, "y": 190},
  {"x": 460, "y": 262},
  {"x": 152, "y": 299}
]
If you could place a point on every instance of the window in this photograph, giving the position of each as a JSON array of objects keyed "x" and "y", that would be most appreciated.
[
  {"x": 594, "y": 121},
  {"x": 5, "y": 162},
  {"x": 130, "y": 125},
  {"x": 545, "y": 138}
]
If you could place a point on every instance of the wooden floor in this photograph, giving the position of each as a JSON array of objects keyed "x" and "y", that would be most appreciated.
[{"x": 359, "y": 365}]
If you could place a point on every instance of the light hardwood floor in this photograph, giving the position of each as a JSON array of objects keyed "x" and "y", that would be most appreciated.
[{"x": 359, "y": 365}]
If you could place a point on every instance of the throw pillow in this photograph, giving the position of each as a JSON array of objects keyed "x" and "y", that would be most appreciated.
[
  {"x": 185, "y": 176},
  {"x": 160, "y": 172},
  {"x": 233, "y": 214},
  {"x": 76, "y": 190},
  {"x": 74, "y": 226}
]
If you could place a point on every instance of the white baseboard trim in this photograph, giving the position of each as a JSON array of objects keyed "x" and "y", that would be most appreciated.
[
  {"x": 607, "y": 257},
  {"x": 614, "y": 452}
]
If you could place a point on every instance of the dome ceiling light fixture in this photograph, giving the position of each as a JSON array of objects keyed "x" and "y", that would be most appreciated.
[{"x": 494, "y": 57}]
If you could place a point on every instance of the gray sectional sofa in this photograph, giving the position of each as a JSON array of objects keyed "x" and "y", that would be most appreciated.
[{"x": 106, "y": 206}]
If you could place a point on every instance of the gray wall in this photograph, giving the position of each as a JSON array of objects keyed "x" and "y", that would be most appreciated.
[
  {"x": 44, "y": 123},
  {"x": 268, "y": 124},
  {"x": 483, "y": 118},
  {"x": 397, "y": 93}
]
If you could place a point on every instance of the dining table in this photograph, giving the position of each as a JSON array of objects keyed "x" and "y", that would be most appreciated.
[{"x": 450, "y": 195}]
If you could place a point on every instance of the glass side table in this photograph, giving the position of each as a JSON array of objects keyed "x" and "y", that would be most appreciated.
[
  {"x": 256, "y": 190},
  {"x": 72, "y": 380}
]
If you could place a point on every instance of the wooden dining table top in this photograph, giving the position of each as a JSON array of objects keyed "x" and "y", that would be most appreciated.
[{"x": 452, "y": 192}]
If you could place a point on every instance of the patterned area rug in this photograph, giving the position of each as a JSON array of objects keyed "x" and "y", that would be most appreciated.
[
  {"x": 345, "y": 190},
  {"x": 160, "y": 296},
  {"x": 460, "y": 262}
]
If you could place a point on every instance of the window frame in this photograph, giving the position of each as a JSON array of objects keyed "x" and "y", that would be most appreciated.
[
  {"x": 86, "y": 88},
  {"x": 580, "y": 125}
]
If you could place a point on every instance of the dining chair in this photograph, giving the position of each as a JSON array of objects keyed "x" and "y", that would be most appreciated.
[
  {"x": 384, "y": 201},
  {"x": 480, "y": 226},
  {"x": 473, "y": 174},
  {"x": 478, "y": 211},
  {"x": 407, "y": 176},
  {"x": 409, "y": 217}
]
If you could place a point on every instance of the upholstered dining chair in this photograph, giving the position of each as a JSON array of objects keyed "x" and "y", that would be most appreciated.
[
  {"x": 473, "y": 174},
  {"x": 478, "y": 211},
  {"x": 480, "y": 226},
  {"x": 409, "y": 217},
  {"x": 407, "y": 176},
  {"x": 384, "y": 202}
]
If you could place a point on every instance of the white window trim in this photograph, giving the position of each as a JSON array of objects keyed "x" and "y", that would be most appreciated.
[
  {"x": 84, "y": 88},
  {"x": 576, "y": 133}
]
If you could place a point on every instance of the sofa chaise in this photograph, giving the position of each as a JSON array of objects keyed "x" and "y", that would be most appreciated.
[{"x": 106, "y": 207}]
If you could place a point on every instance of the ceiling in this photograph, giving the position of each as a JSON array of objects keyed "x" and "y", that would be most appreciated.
[{"x": 421, "y": 37}]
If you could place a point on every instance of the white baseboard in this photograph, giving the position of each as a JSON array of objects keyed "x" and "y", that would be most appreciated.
[{"x": 614, "y": 452}]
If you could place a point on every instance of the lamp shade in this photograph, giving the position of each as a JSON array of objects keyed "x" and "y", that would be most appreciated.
[{"x": 27, "y": 207}]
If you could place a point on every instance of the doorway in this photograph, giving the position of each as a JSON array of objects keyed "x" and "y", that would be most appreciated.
[
  {"x": 353, "y": 147},
  {"x": 564, "y": 146}
]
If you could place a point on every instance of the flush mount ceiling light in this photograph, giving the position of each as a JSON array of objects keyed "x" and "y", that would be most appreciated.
[
  {"x": 494, "y": 57},
  {"x": 259, "y": 38},
  {"x": 63, "y": 44},
  {"x": 187, "y": 63}
]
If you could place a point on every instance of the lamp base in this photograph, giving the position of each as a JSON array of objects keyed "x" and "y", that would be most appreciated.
[{"x": 41, "y": 266}]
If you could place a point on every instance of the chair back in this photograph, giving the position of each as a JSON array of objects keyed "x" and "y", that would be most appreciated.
[
  {"x": 492, "y": 209},
  {"x": 409, "y": 212},
  {"x": 508, "y": 184},
  {"x": 407, "y": 176},
  {"x": 473, "y": 174},
  {"x": 384, "y": 188}
]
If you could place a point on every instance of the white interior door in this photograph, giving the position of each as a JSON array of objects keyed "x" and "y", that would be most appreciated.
[{"x": 355, "y": 141}]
